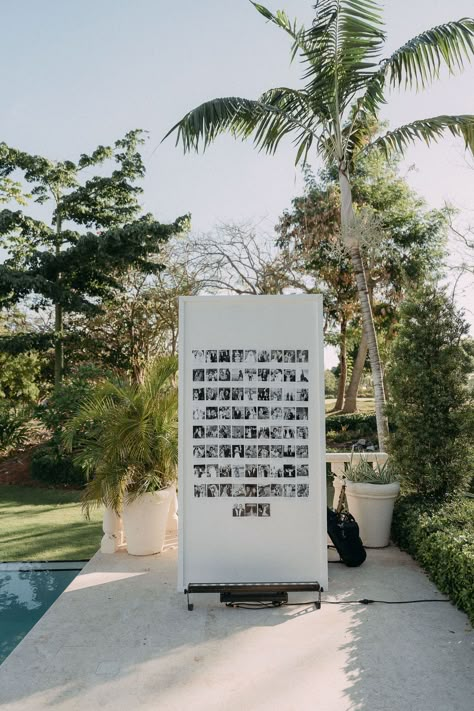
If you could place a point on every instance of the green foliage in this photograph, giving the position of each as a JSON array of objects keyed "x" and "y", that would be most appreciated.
[
  {"x": 440, "y": 536},
  {"x": 125, "y": 436},
  {"x": 14, "y": 426},
  {"x": 76, "y": 267},
  {"x": 19, "y": 373},
  {"x": 51, "y": 466},
  {"x": 356, "y": 423},
  {"x": 19, "y": 377},
  {"x": 370, "y": 473},
  {"x": 64, "y": 403},
  {"x": 330, "y": 383},
  {"x": 431, "y": 446},
  {"x": 346, "y": 80}
]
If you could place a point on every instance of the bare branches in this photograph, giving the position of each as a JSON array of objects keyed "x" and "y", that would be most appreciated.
[{"x": 235, "y": 260}]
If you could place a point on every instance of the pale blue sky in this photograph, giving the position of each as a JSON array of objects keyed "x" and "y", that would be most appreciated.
[{"x": 76, "y": 73}]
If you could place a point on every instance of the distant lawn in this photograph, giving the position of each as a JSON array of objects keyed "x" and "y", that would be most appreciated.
[
  {"x": 45, "y": 524},
  {"x": 364, "y": 404}
]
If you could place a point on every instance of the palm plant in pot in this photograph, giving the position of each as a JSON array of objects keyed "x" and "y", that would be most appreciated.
[
  {"x": 125, "y": 436},
  {"x": 371, "y": 492}
]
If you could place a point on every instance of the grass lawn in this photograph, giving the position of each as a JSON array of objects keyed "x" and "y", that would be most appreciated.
[
  {"x": 364, "y": 404},
  {"x": 46, "y": 524}
]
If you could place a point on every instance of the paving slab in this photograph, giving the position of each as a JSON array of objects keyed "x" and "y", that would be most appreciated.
[{"x": 121, "y": 637}]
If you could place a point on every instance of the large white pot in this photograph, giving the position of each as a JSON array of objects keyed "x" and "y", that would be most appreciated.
[
  {"x": 372, "y": 507},
  {"x": 144, "y": 522}
]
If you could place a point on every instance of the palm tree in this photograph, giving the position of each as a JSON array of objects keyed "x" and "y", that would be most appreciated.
[
  {"x": 125, "y": 436},
  {"x": 345, "y": 80}
]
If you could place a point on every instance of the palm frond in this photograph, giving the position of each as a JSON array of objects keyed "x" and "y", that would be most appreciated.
[
  {"x": 427, "y": 130},
  {"x": 126, "y": 436},
  {"x": 346, "y": 40},
  {"x": 281, "y": 19},
  {"x": 419, "y": 61},
  {"x": 278, "y": 112}
]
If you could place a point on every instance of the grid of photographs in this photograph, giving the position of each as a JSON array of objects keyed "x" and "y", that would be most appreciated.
[{"x": 250, "y": 426}]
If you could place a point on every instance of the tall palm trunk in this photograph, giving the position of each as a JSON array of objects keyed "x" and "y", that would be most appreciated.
[
  {"x": 58, "y": 319},
  {"x": 350, "y": 401},
  {"x": 342, "y": 366},
  {"x": 352, "y": 244}
]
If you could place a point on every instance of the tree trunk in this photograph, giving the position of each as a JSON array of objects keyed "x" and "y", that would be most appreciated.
[
  {"x": 342, "y": 366},
  {"x": 58, "y": 319},
  {"x": 350, "y": 402},
  {"x": 352, "y": 243}
]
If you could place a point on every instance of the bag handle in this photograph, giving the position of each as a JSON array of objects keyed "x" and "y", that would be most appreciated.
[{"x": 342, "y": 496}]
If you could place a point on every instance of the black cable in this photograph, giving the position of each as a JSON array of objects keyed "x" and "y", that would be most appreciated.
[{"x": 364, "y": 601}]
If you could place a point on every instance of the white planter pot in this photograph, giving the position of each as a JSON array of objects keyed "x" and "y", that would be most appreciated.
[
  {"x": 372, "y": 507},
  {"x": 144, "y": 522}
]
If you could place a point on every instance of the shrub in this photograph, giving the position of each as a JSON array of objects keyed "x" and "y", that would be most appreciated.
[
  {"x": 330, "y": 383},
  {"x": 53, "y": 467},
  {"x": 64, "y": 403},
  {"x": 358, "y": 423},
  {"x": 440, "y": 536},
  {"x": 430, "y": 447},
  {"x": 14, "y": 426}
]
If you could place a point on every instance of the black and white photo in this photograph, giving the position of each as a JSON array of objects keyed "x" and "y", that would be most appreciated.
[
  {"x": 301, "y": 413},
  {"x": 225, "y": 470},
  {"x": 198, "y": 375},
  {"x": 199, "y": 413},
  {"x": 212, "y": 491},
  {"x": 250, "y": 451},
  {"x": 212, "y": 431},
  {"x": 211, "y": 356},
  {"x": 251, "y": 470},
  {"x": 302, "y": 489},
  {"x": 225, "y": 451},
  {"x": 199, "y": 470},
  {"x": 200, "y": 490}
]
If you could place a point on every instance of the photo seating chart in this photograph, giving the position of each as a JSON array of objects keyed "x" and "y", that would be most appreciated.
[
  {"x": 250, "y": 426},
  {"x": 252, "y": 461}
]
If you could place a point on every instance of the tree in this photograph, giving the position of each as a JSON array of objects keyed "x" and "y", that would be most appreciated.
[
  {"x": 402, "y": 246},
  {"x": 139, "y": 321},
  {"x": 19, "y": 374},
  {"x": 97, "y": 234},
  {"x": 431, "y": 446},
  {"x": 235, "y": 259},
  {"x": 345, "y": 85}
]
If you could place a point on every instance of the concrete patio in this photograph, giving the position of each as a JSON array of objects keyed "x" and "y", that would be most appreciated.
[{"x": 120, "y": 637}]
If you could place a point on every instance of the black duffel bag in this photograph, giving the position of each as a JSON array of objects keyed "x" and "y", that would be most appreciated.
[{"x": 343, "y": 531}]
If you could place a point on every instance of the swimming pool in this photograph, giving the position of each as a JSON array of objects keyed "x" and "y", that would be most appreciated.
[{"x": 27, "y": 590}]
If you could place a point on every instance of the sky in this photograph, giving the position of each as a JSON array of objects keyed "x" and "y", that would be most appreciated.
[{"x": 80, "y": 73}]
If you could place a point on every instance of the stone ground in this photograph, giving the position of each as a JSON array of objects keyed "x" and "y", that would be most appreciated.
[{"x": 120, "y": 637}]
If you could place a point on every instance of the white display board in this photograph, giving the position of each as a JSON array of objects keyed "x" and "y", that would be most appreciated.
[{"x": 252, "y": 484}]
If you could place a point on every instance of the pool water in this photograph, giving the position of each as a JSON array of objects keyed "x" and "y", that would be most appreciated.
[{"x": 27, "y": 590}]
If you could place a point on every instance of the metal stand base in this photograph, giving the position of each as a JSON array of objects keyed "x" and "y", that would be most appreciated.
[{"x": 240, "y": 593}]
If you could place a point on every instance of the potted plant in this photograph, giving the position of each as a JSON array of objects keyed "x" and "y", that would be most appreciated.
[
  {"x": 125, "y": 436},
  {"x": 371, "y": 492}
]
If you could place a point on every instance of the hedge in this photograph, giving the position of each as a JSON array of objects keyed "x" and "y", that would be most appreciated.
[
  {"x": 52, "y": 467},
  {"x": 357, "y": 422},
  {"x": 440, "y": 536}
]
